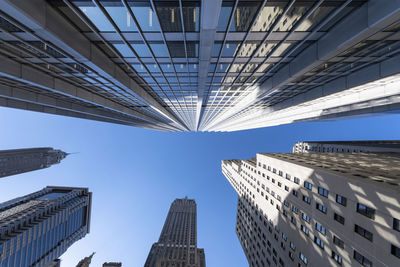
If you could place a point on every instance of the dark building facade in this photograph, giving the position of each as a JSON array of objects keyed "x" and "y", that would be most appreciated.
[
  {"x": 177, "y": 245},
  {"x": 112, "y": 264},
  {"x": 17, "y": 161},
  {"x": 85, "y": 262},
  {"x": 38, "y": 228},
  {"x": 391, "y": 146}
]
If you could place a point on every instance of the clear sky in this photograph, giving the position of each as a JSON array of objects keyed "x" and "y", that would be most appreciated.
[{"x": 135, "y": 174}]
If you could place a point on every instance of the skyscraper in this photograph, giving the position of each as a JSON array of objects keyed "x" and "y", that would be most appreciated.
[
  {"x": 318, "y": 209},
  {"x": 17, "y": 161},
  {"x": 177, "y": 245},
  {"x": 210, "y": 65},
  {"x": 85, "y": 262},
  {"x": 347, "y": 146},
  {"x": 38, "y": 228}
]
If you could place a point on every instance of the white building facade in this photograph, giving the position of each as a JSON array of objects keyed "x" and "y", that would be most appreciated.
[{"x": 318, "y": 209}]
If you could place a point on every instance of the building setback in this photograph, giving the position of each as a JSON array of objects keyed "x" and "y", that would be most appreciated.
[
  {"x": 17, "y": 161},
  {"x": 210, "y": 65},
  {"x": 347, "y": 146},
  {"x": 38, "y": 228},
  {"x": 177, "y": 245},
  {"x": 318, "y": 209}
]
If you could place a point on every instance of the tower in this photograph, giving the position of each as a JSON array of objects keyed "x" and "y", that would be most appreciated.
[
  {"x": 320, "y": 209},
  {"x": 17, "y": 161},
  {"x": 38, "y": 228},
  {"x": 177, "y": 245}
]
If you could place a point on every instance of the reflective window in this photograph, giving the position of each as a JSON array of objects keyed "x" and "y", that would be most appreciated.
[
  {"x": 169, "y": 15},
  {"x": 248, "y": 48},
  {"x": 222, "y": 67},
  {"x": 141, "y": 49},
  {"x": 120, "y": 15},
  {"x": 216, "y": 49},
  {"x": 139, "y": 68},
  {"x": 145, "y": 16},
  {"x": 243, "y": 16},
  {"x": 266, "y": 18},
  {"x": 167, "y": 68},
  {"x": 153, "y": 67},
  {"x": 229, "y": 49},
  {"x": 176, "y": 48},
  {"x": 192, "y": 49},
  {"x": 224, "y": 16},
  {"x": 123, "y": 49},
  {"x": 193, "y": 68},
  {"x": 191, "y": 16},
  {"x": 97, "y": 17},
  {"x": 159, "y": 49},
  {"x": 181, "y": 67}
]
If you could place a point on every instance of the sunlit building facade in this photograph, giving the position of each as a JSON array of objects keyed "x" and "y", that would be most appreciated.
[
  {"x": 36, "y": 229},
  {"x": 15, "y": 161},
  {"x": 392, "y": 146},
  {"x": 177, "y": 245},
  {"x": 318, "y": 209},
  {"x": 200, "y": 65}
]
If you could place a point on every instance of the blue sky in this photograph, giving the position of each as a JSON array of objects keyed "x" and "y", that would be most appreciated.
[{"x": 135, "y": 174}]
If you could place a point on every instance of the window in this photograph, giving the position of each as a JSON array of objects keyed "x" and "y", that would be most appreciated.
[
  {"x": 295, "y": 209},
  {"x": 337, "y": 257},
  {"x": 295, "y": 193},
  {"x": 323, "y": 192},
  {"x": 362, "y": 260},
  {"x": 319, "y": 242},
  {"x": 307, "y": 199},
  {"x": 284, "y": 236},
  {"x": 286, "y": 203},
  {"x": 287, "y": 188},
  {"x": 320, "y": 228},
  {"x": 363, "y": 232},
  {"x": 338, "y": 242},
  {"x": 293, "y": 220},
  {"x": 321, "y": 207},
  {"x": 264, "y": 166},
  {"x": 291, "y": 255},
  {"x": 395, "y": 251},
  {"x": 366, "y": 211},
  {"x": 308, "y": 185},
  {"x": 304, "y": 229},
  {"x": 305, "y": 217},
  {"x": 303, "y": 258},
  {"x": 288, "y": 176},
  {"x": 296, "y": 180},
  {"x": 341, "y": 200},
  {"x": 274, "y": 170},
  {"x": 280, "y": 173},
  {"x": 396, "y": 224},
  {"x": 338, "y": 218},
  {"x": 292, "y": 246}
]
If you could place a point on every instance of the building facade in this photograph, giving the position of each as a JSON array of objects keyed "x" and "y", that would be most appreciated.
[
  {"x": 38, "y": 228},
  {"x": 177, "y": 245},
  {"x": 210, "y": 65},
  {"x": 17, "y": 161},
  {"x": 318, "y": 209},
  {"x": 347, "y": 146}
]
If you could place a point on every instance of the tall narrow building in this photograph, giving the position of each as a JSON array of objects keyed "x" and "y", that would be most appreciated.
[
  {"x": 85, "y": 262},
  {"x": 318, "y": 209},
  {"x": 347, "y": 146},
  {"x": 38, "y": 228},
  {"x": 112, "y": 264},
  {"x": 17, "y": 161},
  {"x": 177, "y": 245}
]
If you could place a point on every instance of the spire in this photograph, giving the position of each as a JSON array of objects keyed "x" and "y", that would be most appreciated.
[{"x": 86, "y": 261}]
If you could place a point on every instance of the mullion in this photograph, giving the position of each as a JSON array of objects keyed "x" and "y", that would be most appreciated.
[
  {"x": 148, "y": 46},
  {"x": 223, "y": 44},
  {"x": 105, "y": 13},
  {"x": 165, "y": 41}
]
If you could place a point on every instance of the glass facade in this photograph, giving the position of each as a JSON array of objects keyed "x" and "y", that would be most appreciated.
[{"x": 38, "y": 228}]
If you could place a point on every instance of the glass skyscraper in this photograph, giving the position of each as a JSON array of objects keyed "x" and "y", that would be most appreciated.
[
  {"x": 177, "y": 245},
  {"x": 38, "y": 228},
  {"x": 15, "y": 161},
  {"x": 208, "y": 65}
]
